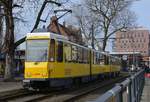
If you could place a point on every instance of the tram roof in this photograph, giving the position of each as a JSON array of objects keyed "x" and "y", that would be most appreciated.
[
  {"x": 50, "y": 35},
  {"x": 45, "y": 35},
  {"x": 124, "y": 53}
]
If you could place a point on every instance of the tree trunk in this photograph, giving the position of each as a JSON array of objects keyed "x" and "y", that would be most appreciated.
[
  {"x": 9, "y": 40},
  {"x": 1, "y": 30},
  {"x": 104, "y": 44},
  {"x": 9, "y": 67},
  {"x": 105, "y": 39}
]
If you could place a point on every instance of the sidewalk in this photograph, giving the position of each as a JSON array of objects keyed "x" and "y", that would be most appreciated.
[
  {"x": 146, "y": 91},
  {"x": 8, "y": 86}
]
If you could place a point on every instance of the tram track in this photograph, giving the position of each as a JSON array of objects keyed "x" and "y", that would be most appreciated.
[
  {"x": 8, "y": 95},
  {"x": 84, "y": 92},
  {"x": 27, "y": 96},
  {"x": 10, "y": 92},
  {"x": 64, "y": 95},
  {"x": 74, "y": 94}
]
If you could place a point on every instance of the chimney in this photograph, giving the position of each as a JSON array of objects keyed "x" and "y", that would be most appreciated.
[{"x": 53, "y": 18}]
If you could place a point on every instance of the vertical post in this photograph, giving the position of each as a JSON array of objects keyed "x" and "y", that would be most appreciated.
[
  {"x": 121, "y": 92},
  {"x": 133, "y": 88},
  {"x": 149, "y": 61},
  {"x": 92, "y": 30},
  {"x": 1, "y": 28},
  {"x": 129, "y": 91},
  {"x": 133, "y": 60}
]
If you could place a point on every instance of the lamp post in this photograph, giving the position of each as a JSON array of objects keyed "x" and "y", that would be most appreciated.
[{"x": 133, "y": 57}]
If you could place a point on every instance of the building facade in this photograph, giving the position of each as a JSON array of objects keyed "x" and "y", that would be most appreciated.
[
  {"x": 73, "y": 34},
  {"x": 135, "y": 40}
]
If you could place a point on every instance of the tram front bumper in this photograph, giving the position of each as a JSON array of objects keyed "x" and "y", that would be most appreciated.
[{"x": 35, "y": 83}]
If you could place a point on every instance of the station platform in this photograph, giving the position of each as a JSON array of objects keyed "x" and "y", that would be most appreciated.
[{"x": 146, "y": 91}]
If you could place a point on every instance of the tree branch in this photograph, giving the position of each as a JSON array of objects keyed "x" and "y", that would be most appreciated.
[
  {"x": 37, "y": 20},
  {"x": 16, "y": 5},
  {"x": 113, "y": 32}
]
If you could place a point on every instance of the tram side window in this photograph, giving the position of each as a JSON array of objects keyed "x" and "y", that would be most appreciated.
[
  {"x": 116, "y": 61},
  {"x": 94, "y": 57},
  {"x": 67, "y": 52},
  {"x": 74, "y": 53},
  {"x": 106, "y": 59},
  {"x": 110, "y": 60},
  {"x": 60, "y": 51},
  {"x": 88, "y": 56},
  {"x": 97, "y": 58},
  {"x": 85, "y": 56},
  {"x": 52, "y": 50},
  {"x": 102, "y": 59},
  {"x": 119, "y": 62},
  {"x": 80, "y": 55}
]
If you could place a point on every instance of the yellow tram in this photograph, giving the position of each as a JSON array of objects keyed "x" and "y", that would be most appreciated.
[{"x": 52, "y": 61}]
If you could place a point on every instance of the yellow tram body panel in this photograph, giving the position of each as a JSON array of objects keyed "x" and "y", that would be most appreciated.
[
  {"x": 107, "y": 68},
  {"x": 115, "y": 68},
  {"x": 97, "y": 69},
  {"x": 55, "y": 70},
  {"x": 64, "y": 70},
  {"x": 36, "y": 70}
]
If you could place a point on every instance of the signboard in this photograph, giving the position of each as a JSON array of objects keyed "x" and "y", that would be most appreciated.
[{"x": 125, "y": 57}]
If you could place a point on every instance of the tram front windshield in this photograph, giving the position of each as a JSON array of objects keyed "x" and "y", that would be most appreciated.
[{"x": 37, "y": 50}]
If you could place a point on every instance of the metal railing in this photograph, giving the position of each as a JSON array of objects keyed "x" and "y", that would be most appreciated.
[{"x": 129, "y": 90}]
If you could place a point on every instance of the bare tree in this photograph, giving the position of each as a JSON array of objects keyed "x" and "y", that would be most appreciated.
[
  {"x": 38, "y": 19},
  {"x": 9, "y": 36},
  {"x": 9, "y": 47},
  {"x": 87, "y": 22},
  {"x": 114, "y": 16}
]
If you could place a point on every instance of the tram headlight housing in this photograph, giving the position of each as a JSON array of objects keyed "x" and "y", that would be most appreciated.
[
  {"x": 28, "y": 74},
  {"x": 44, "y": 74}
]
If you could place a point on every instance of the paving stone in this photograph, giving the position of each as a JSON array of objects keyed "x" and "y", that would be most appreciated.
[
  {"x": 7, "y": 86},
  {"x": 146, "y": 91}
]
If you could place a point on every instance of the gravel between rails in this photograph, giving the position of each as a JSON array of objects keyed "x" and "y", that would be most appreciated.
[
  {"x": 86, "y": 91},
  {"x": 71, "y": 96}
]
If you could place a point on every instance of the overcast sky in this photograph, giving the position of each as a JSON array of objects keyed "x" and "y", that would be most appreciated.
[{"x": 142, "y": 9}]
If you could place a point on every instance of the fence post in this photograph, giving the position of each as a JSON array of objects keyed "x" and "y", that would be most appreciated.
[
  {"x": 129, "y": 90},
  {"x": 121, "y": 92},
  {"x": 134, "y": 86},
  {"x": 133, "y": 89}
]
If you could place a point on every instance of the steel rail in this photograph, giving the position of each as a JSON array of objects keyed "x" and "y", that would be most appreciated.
[
  {"x": 97, "y": 87},
  {"x": 86, "y": 90},
  {"x": 14, "y": 94}
]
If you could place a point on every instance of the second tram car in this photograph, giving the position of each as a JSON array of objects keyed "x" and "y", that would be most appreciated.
[{"x": 52, "y": 61}]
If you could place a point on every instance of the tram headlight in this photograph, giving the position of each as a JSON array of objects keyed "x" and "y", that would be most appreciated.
[
  {"x": 28, "y": 74},
  {"x": 44, "y": 74}
]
